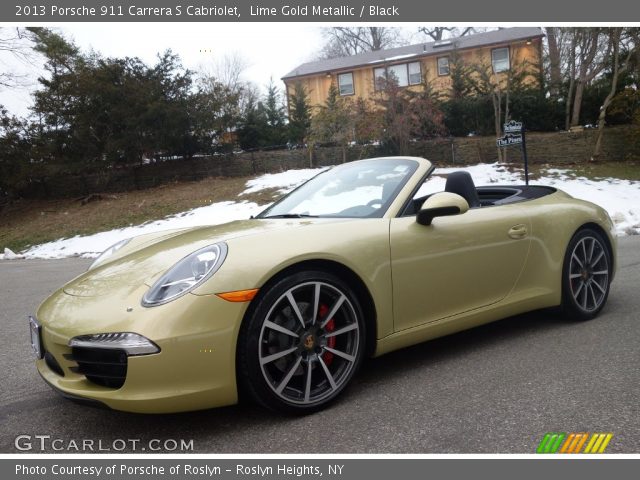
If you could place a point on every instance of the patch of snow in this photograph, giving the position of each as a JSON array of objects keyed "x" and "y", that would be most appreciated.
[
  {"x": 621, "y": 198},
  {"x": 90, "y": 246},
  {"x": 396, "y": 57},
  {"x": 10, "y": 255}
]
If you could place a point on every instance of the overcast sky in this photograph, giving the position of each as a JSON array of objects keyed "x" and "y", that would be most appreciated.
[{"x": 271, "y": 50}]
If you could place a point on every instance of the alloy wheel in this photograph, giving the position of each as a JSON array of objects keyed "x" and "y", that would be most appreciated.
[
  {"x": 309, "y": 342},
  {"x": 589, "y": 273}
]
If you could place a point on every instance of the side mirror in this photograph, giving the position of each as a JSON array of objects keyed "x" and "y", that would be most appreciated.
[{"x": 440, "y": 205}]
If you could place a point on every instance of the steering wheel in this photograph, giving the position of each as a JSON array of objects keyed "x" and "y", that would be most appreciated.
[{"x": 375, "y": 201}]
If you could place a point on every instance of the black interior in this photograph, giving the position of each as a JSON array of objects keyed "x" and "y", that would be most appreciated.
[{"x": 462, "y": 184}]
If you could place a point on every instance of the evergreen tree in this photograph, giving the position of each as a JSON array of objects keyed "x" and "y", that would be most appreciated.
[
  {"x": 333, "y": 124},
  {"x": 276, "y": 133},
  {"x": 300, "y": 115},
  {"x": 253, "y": 126}
]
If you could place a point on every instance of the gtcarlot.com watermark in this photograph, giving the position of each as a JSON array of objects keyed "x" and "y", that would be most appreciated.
[{"x": 47, "y": 443}]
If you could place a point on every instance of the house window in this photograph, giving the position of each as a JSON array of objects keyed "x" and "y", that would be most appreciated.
[
  {"x": 345, "y": 83},
  {"x": 379, "y": 76},
  {"x": 415, "y": 73},
  {"x": 443, "y": 66},
  {"x": 404, "y": 74},
  {"x": 500, "y": 59},
  {"x": 399, "y": 74}
]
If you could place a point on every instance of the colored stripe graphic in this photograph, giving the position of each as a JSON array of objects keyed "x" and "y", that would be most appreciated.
[
  {"x": 554, "y": 442},
  {"x": 551, "y": 442},
  {"x": 598, "y": 443}
]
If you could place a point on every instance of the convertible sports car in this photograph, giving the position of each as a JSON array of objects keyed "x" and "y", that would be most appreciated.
[{"x": 363, "y": 259}]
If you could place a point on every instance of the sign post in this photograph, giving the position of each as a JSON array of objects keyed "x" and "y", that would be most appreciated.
[{"x": 514, "y": 135}]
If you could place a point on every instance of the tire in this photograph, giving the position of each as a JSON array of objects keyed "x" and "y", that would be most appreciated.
[
  {"x": 292, "y": 360},
  {"x": 586, "y": 275}
]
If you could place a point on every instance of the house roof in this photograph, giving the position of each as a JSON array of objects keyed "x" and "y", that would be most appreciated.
[{"x": 503, "y": 35}]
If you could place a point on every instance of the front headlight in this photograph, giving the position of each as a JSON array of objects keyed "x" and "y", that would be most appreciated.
[
  {"x": 108, "y": 252},
  {"x": 187, "y": 274}
]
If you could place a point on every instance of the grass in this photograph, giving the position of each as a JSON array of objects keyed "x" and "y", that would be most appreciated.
[{"x": 31, "y": 222}]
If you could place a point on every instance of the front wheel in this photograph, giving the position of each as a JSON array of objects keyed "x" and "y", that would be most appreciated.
[
  {"x": 302, "y": 343},
  {"x": 586, "y": 275}
]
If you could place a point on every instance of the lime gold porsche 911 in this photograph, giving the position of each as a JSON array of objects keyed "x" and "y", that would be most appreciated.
[{"x": 363, "y": 259}]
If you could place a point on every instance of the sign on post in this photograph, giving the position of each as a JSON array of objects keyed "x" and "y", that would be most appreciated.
[
  {"x": 509, "y": 139},
  {"x": 513, "y": 127},
  {"x": 514, "y": 135}
]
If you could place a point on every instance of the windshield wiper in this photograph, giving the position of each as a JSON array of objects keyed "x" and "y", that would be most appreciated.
[{"x": 291, "y": 215}]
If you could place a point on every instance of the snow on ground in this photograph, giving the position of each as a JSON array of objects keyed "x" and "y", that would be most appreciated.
[
  {"x": 93, "y": 245},
  {"x": 621, "y": 198}
]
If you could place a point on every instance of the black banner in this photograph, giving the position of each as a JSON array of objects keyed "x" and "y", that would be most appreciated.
[{"x": 379, "y": 11}]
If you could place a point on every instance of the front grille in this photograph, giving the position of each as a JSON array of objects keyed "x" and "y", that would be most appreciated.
[
  {"x": 106, "y": 367},
  {"x": 53, "y": 364}
]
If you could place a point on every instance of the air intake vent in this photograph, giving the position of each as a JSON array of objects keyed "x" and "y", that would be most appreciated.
[
  {"x": 53, "y": 364},
  {"x": 106, "y": 367}
]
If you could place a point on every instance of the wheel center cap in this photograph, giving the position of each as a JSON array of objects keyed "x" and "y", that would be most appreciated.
[{"x": 309, "y": 342}]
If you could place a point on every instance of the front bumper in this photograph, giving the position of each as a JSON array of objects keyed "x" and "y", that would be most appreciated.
[{"x": 195, "y": 368}]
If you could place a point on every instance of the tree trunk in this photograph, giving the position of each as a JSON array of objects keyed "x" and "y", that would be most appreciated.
[
  {"x": 616, "y": 36},
  {"x": 497, "y": 113},
  {"x": 555, "y": 71},
  {"x": 577, "y": 103},
  {"x": 507, "y": 114},
  {"x": 591, "y": 64},
  {"x": 572, "y": 84}
]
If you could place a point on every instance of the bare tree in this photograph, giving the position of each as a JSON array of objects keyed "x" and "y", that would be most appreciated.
[
  {"x": 571, "y": 74},
  {"x": 618, "y": 37},
  {"x": 499, "y": 88},
  {"x": 439, "y": 33},
  {"x": 592, "y": 49},
  {"x": 347, "y": 41},
  {"x": 554, "y": 56},
  {"x": 15, "y": 43},
  {"x": 227, "y": 70}
]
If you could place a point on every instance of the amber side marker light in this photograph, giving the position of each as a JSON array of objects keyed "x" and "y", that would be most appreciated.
[{"x": 239, "y": 295}]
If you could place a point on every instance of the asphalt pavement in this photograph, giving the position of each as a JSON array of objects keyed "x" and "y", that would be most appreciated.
[{"x": 494, "y": 389}]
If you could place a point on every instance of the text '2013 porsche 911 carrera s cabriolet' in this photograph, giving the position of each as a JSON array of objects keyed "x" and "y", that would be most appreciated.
[{"x": 361, "y": 260}]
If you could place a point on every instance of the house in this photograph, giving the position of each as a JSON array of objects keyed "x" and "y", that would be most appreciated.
[{"x": 355, "y": 76}]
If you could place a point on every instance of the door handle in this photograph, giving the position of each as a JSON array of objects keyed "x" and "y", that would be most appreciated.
[{"x": 518, "y": 231}]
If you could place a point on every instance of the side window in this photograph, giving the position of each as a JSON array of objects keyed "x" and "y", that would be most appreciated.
[
  {"x": 345, "y": 84},
  {"x": 443, "y": 66},
  {"x": 415, "y": 73},
  {"x": 500, "y": 59},
  {"x": 399, "y": 72},
  {"x": 379, "y": 76}
]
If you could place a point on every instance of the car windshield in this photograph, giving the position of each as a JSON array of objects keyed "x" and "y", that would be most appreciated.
[{"x": 359, "y": 189}]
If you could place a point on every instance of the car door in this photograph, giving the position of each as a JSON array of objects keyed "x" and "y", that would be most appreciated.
[{"x": 456, "y": 264}]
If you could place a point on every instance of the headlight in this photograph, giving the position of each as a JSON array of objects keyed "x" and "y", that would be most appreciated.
[
  {"x": 132, "y": 343},
  {"x": 186, "y": 275},
  {"x": 108, "y": 252}
]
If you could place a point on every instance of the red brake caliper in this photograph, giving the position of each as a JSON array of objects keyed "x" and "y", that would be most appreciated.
[{"x": 329, "y": 327}]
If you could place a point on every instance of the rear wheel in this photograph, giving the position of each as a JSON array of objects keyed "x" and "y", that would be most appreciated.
[
  {"x": 586, "y": 275},
  {"x": 302, "y": 343}
]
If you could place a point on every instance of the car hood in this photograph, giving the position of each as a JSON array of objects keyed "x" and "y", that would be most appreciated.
[{"x": 149, "y": 256}]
